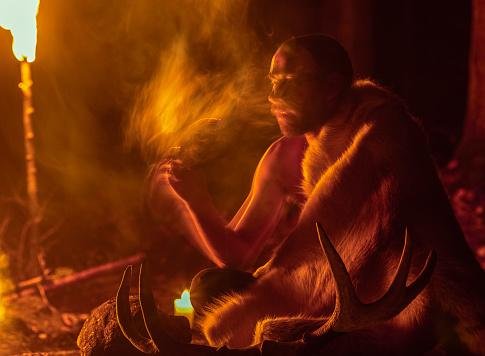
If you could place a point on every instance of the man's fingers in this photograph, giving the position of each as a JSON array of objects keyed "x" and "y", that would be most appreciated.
[
  {"x": 170, "y": 166},
  {"x": 161, "y": 173},
  {"x": 167, "y": 173},
  {"x": 170, "y": 172},
  {"x": 163, "y": 168}
]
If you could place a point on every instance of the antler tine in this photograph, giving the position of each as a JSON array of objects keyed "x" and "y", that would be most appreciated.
[
  {"x": 399, "y": 281},
  {"x": 399, "y": 296},
  {"x": 350, "y": 313},
  {"x": 154, "y": 321},
  {"x": 423, "y": 278},
  {"x": 398, "y": 287},
  {"x": 125, "y": 321},
  {"x": 346, "y": 300}
]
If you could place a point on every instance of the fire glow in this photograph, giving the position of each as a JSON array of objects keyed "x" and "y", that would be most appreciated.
[
  {"x": 20, "y": 18},
  {"x": 4, "y": 284}
]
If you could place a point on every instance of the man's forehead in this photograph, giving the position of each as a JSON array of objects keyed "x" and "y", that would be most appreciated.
[{"x": 288, "y": 59}]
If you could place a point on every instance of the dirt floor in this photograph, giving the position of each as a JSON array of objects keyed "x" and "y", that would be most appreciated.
[{"x": 33, "y": 327}]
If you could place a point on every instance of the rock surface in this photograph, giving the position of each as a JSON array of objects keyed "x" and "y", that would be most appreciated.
[{"x": 101, "y": 335}]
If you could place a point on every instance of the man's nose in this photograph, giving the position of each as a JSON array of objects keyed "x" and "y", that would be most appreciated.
[{"x": 278, "y": 91}]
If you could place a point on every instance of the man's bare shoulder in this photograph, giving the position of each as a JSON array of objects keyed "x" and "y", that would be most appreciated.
[
  {"x": 282, "y": 160},
  {"x": 285, "y": 148}
]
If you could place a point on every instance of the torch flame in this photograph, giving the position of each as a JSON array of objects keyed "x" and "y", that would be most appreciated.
[{"x": 19, "y": 17}]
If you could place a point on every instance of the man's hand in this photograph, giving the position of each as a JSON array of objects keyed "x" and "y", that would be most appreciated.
[
  {"x": 179, "y": 194},
  {"x": 172, "y": 177}
]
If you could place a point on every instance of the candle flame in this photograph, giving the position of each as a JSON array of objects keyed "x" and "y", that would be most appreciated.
[
  {"x": 184, "y": 301},
  {"x": 183, "y": 306},
  {"x": 20, "y": 18}
]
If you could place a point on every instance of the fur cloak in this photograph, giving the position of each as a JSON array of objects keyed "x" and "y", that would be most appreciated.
[{"x": 367, "y": 177}]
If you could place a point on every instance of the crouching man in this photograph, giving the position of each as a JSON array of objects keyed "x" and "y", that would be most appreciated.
[{"x": 353, "y": 159}]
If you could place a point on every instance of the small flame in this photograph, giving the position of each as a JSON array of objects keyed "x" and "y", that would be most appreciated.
[
  {"x": 19, "y": 17},
  {"x": 184, "y": 302},
  {"x": 183, "y": 306}
]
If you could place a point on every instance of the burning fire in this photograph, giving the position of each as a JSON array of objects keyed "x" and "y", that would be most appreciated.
[{"x": 19, "y": 17}]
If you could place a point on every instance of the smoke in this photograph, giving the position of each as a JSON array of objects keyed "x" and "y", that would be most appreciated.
[
  {"x": 143, "y": 75},
  {"x": 207, "y": 97},
  {"x": 211, "y": 68}
]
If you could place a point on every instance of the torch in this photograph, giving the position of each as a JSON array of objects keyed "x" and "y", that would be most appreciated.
[{"x": 19, "y": 16}]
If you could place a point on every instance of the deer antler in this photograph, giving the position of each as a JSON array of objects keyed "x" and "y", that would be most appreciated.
[
  {"x": 125, "y": 322},
  {"x": 349, "y": 313}
]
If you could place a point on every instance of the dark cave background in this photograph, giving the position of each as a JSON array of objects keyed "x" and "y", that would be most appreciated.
[{"x": 93, "y": 57}]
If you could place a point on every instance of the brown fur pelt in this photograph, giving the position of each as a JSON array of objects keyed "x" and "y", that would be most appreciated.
[{"x": 367, "y": 177}]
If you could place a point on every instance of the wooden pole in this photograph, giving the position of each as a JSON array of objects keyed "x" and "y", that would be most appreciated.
[
  {"x": 30, "y": 167},
  {"x": 471, "y": 151},
  {"x": 49, "y": 283},
  {"x": 28, "y": 109},
  {"x": 474, "y": 129}
]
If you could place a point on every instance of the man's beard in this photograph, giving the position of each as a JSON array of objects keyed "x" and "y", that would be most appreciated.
[
  {"x": 295, "y": 119},
  {"x": 291, "y": 121},
  {"x": 296, "y": 124}
]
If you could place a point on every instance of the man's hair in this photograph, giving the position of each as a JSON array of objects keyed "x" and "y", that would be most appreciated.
[{"x": 327, "y": 52}]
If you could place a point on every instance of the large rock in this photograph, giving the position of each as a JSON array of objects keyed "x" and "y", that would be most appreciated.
[{"x": 101, "y": 335}]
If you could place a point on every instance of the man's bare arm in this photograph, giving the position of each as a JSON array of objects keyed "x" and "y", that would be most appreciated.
[{"x": 239, "y": 242}]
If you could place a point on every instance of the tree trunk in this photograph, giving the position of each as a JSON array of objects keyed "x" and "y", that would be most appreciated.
[
  {"x": 471, "y": 152},
  {"x": 474, "y": 129}
]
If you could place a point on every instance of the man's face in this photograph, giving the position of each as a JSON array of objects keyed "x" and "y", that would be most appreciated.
[{"x": 299, "y": 92}]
